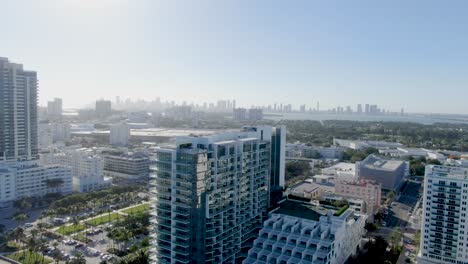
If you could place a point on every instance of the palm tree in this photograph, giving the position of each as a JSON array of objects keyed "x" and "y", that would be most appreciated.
[
  {"x": 57, "y": 256},
  {"x": 142, "y": 257},
  {"x": 75, "y": 223},
  {"x": 79, "y": 259},
  {"x": 20, "y": 218}
]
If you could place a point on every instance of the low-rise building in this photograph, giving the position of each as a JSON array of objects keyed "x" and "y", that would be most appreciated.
[
  {"x": 389, "y": 173},
  {"x": 362, "y": 144},
  {"x": 342, "y": 171},
  {"x": 299, "y": 150},
  {"x": 369, "y": 191},
  {"x": 128, "y": 166},
  {"x": 87, "y": 168},
  {"x": 119, "y": 134},
  {"x": 298, "y": 233},
  {"x": 30, "y": 179}
]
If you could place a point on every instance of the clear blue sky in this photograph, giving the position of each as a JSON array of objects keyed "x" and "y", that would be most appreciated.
[{"x": 411, "y": 54}]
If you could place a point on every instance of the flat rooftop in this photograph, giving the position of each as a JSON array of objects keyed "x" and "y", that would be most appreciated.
[
  {"x": 160, "y": 132},
  {"x": 301, "y": 210},
  {"x": 343, "y": 166}
]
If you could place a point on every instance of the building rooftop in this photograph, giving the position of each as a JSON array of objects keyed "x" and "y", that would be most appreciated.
[
  {"x": 343, "y": 167},
  {"x": 301, "y": 210},
  {"x": 374, "y": 162}
]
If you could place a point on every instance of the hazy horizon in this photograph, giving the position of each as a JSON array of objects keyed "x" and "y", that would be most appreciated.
[{"x": 394, "y": 54}]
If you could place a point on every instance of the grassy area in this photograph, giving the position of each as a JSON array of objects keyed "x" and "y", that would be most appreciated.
[
  {"x": 105, "y": 218},
  {"x": 137, "y": 209},
  {"x": 82, "y": 238},
  {"x": 67, "y": 230},
  {"x": 29, "y": 258}
]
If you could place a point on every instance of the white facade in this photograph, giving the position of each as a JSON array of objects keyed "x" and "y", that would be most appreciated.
[
  {"x": 87, "y": 168},
  {"x": 119, "y": 134},
  {"x": 7, "y": 185},
  {"x": 291, "y": 239},
  {"x": 444, "y": 236},
  {"x": 342, "y": 171},
  {"x": 29, "y": 179}
]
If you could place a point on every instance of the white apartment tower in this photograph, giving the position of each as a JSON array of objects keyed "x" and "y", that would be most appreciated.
[
  {"x": 444, "y": 236},
  {"x": 20, "y": 173},
  {"x": 18, "y": 112}
]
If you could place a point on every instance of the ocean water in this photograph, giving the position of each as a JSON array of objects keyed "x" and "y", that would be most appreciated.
[{"x": 413, "y": 118}]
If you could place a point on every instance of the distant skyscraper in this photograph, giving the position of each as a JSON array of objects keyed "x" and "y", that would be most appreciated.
[
  {"x": 103, "y": 108},
  {"x": 302, "y": 108},
  {"x": 18, "y": 112},
  {"x": 54, "y": 108},
  {"x": 367, "y": 109},
  {"x": 318, "y": 106},
  {"x": 359, "y": 109},
  {"x": 444, "y": 236}
]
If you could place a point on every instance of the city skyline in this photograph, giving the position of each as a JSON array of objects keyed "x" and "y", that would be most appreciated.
[{"x": 394, "y": 54}]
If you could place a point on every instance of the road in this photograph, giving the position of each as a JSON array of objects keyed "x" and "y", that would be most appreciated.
[{"x": 399, "y": 214}]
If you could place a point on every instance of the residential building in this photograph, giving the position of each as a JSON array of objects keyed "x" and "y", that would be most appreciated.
[
  {"x": 19, "y": 169},
  {"x": 276, "y": 136},
  {"x": 119, "y": 134},
  {"x": 103, "y": 108},
  {"x": 444, "y": 233},
  {"x": 126, "y": 165},
  {"x": 389, "y": 173},
  {"x": 54, "y": 108},
  {"x": 87, "y": 168},
  {"x": 7, "y": 185},
  {"x": 222, "y": 181},
  {"x": 34, "y": 180},
  {"x": 18, "y": 112},
  {"x": 369, "y": 191},
  {"x": 300, "y": 233}
]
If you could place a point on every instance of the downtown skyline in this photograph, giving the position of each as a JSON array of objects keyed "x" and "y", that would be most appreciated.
[{"x": 397, "y": 55}]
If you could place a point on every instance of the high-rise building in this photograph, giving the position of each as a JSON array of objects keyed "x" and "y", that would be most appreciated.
[
  {"x": 276, "y": 136},
  {"x": 210, "y": 196},
  {"x": 18, "y": 112},
  {"x": 54, "y": 108},
  {"x": 444, "y": 236},
  {"x": 367, "y": 109},
  {"x": 19, "y": 168},
  {"x": 359, "y": 109},
  {"x": 103, "y": 108}
]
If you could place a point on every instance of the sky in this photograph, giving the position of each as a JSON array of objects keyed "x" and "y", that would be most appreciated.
[{"x": 411, "y": 54}]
